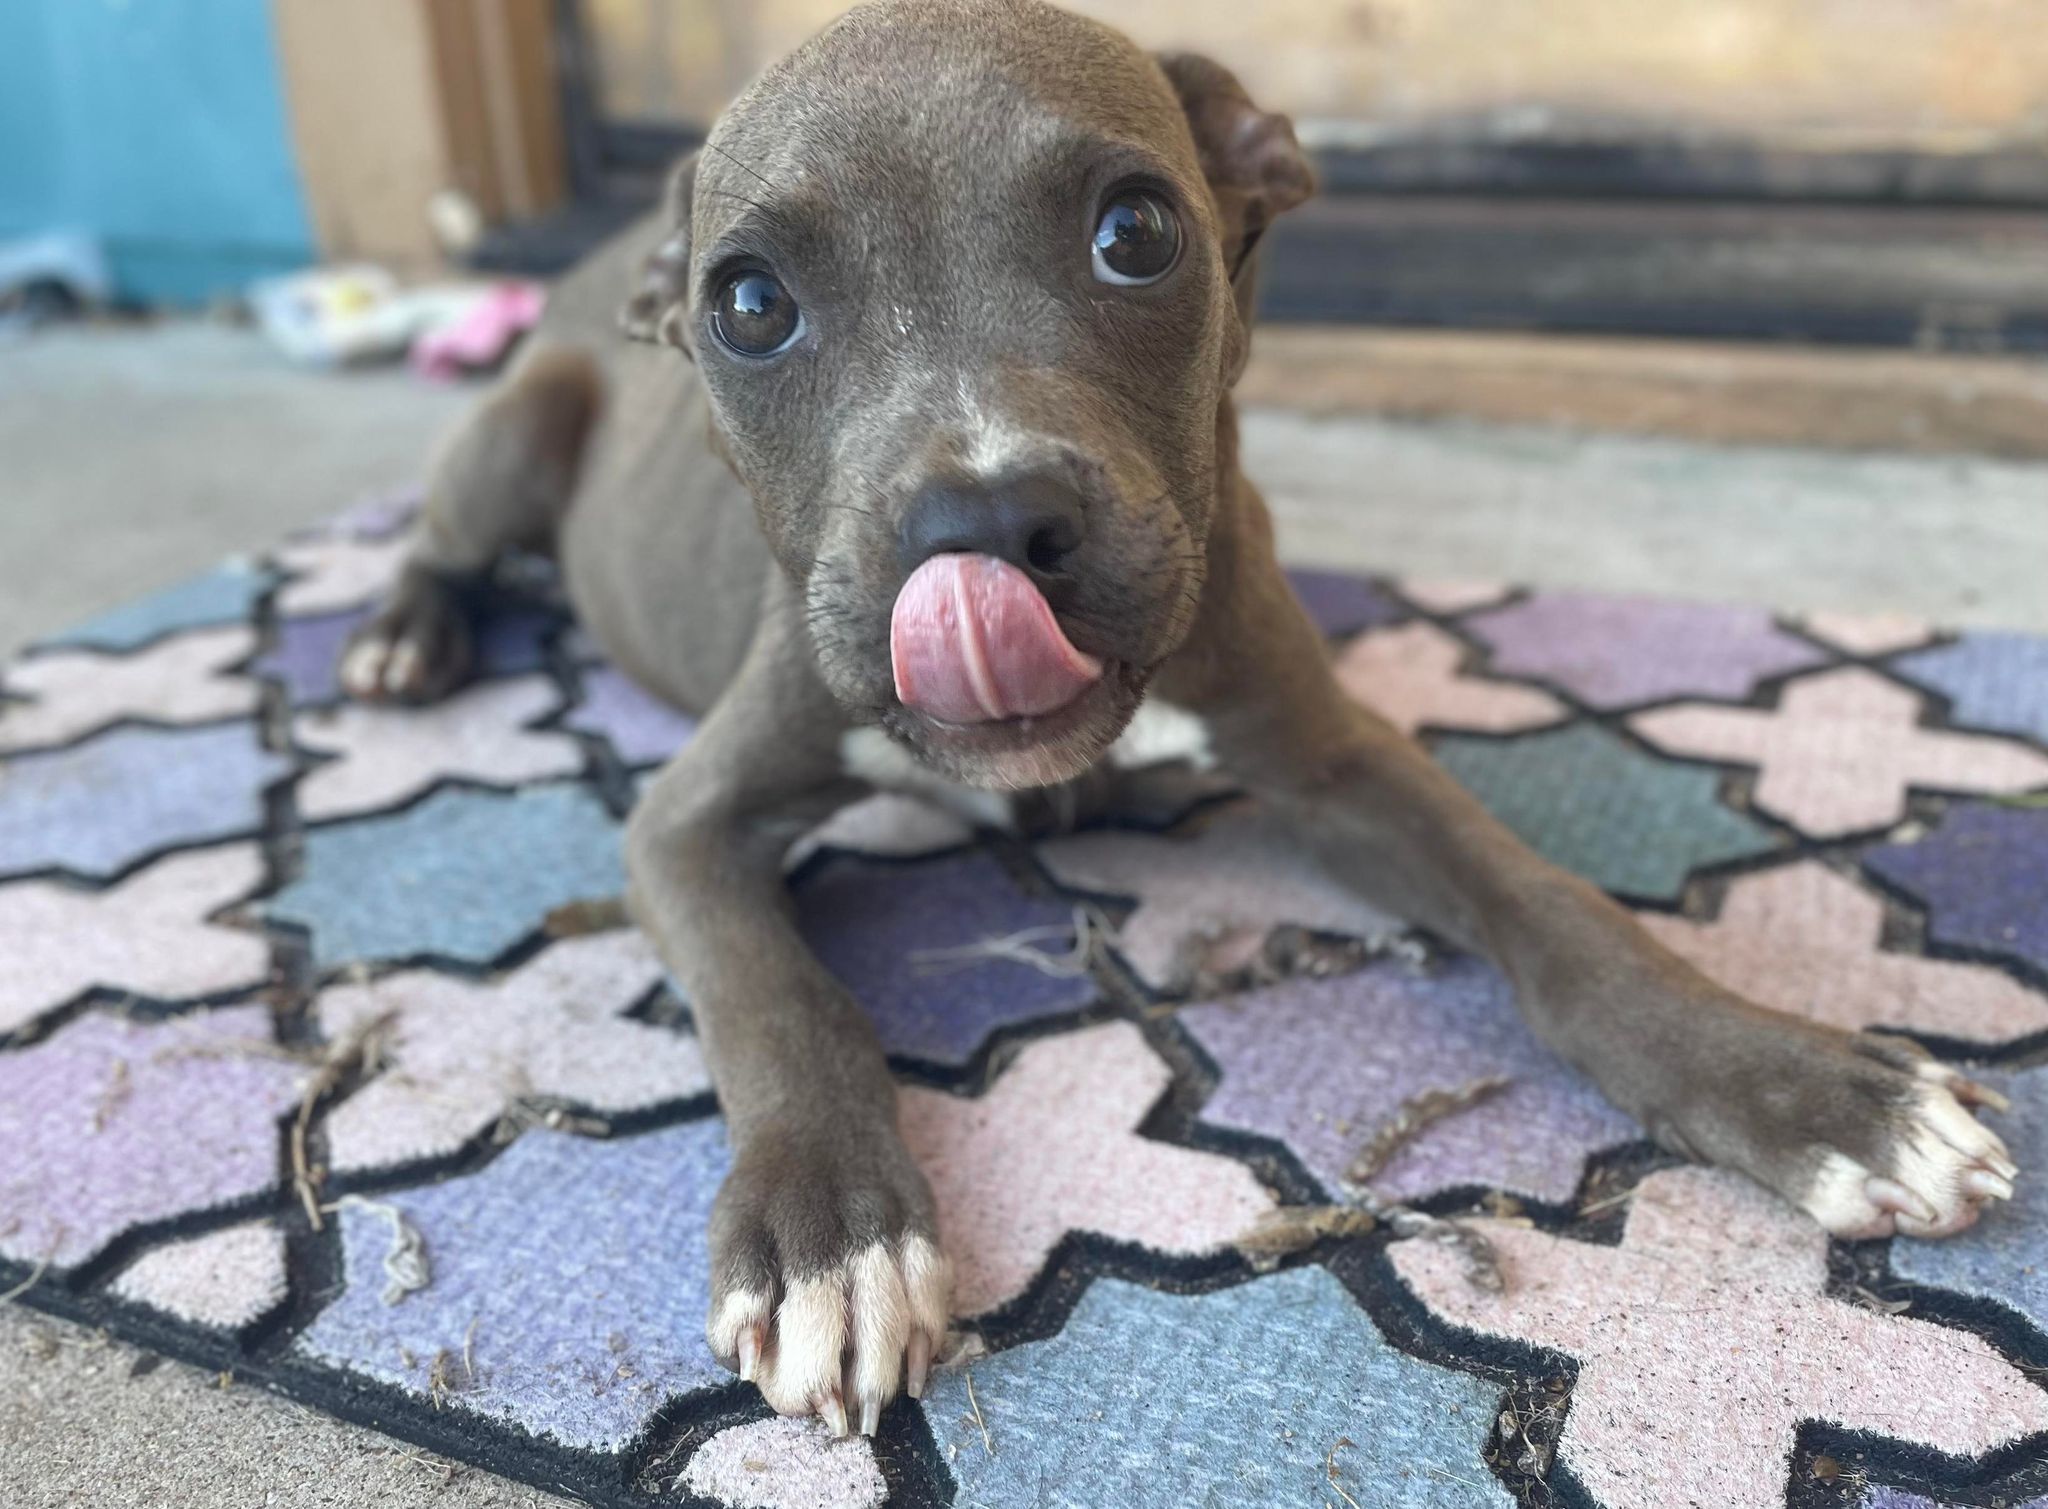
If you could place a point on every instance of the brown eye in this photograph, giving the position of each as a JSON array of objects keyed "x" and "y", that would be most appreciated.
[
  {"x": 1137, "y": 238},
  {"x": 754, "y": 314}
]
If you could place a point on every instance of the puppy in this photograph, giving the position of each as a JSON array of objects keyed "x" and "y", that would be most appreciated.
[{"x": 920, "y": 468}]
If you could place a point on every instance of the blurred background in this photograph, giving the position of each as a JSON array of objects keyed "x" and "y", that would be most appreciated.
[{"x": 1745, "y": 298}]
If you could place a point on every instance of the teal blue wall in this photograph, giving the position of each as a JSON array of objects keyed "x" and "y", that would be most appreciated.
[{"x": 158, "y": 126}]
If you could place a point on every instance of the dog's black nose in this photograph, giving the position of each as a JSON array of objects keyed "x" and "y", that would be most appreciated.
[{"x": 1033, "y": 522}]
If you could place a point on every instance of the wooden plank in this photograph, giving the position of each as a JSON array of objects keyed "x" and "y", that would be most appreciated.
[{"x": 1722, "y": 392}]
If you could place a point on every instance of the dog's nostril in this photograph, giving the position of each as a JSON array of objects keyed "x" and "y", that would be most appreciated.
[{"x": 1051, "y": 543}]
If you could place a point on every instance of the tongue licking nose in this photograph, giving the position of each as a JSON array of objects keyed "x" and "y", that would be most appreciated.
[{"x": 972, "y": 640}]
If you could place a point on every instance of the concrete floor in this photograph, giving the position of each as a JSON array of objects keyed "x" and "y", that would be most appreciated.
[
  {"x": 88, "y": 1423},
  {"x": 134, "y": 456}
]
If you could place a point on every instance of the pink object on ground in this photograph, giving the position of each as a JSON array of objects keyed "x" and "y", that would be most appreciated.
[
  {"x": 481, "y": 336},
  {"x": 973, "y": 641}
]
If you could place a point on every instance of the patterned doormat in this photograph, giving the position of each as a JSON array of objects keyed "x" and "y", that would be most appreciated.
[{"x": 321, "y": 1064}]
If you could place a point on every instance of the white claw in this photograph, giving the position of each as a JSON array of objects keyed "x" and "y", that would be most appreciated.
[
  {"x": 1983, "y": 1184},
  {"x": 362, "y": 668},
  {"x": 402, "y": 670},
  {"x": 832, "y": 1410},
  {"x": 1971, "y": 1093},
  {"x": 1889, "y": 1194},
  {"x": 919, "y": 1363},
  {"x": 870, "y": 1416}
]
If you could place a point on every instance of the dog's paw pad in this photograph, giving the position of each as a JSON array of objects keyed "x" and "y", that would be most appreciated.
[
  {"x": 1940, "y": 1169},
  {"x": 842, "y": 1340}
]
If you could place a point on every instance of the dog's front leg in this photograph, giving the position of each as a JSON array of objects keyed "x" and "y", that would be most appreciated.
[
  {"x": 1867, "y": 1133},
  {"x": 827, "y": 1283}
]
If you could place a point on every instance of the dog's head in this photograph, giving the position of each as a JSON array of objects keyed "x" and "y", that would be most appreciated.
[{"x": 968, "y": 282}]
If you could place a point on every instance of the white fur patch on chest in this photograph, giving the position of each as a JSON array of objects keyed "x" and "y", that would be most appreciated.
[
  {"x": 868, "y": 754},
  {"x": 1160, "y": 733}
]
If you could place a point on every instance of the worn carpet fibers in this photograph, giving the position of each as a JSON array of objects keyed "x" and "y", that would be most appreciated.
[{"x": 325, "y": 1064}]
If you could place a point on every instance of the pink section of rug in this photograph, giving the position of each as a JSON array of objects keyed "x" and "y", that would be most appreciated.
[
  {"x": 1806, "y": 940},
  {"x": 1209, "y": 900},
  {"x": 226, "y": 1279},
  {"x": 1411, "y": 676},
  {"x": 184, "y": 679},
  {"x": 1868, "y": 633},
  {"x": 1448, "y": 595},
  {"x": 147, "y": 935},
  {"x": 886, "y": 825},
  {"x": 383, "y": 756},
  {"x": 459, "y": 1055},
  {"x": 1709, "y": 1324},
  {"x": 1051, "y": 1147},
  {"x": 786, "y": 1464},
  {"x": 335, "y": 572},
  {"x": 1841, "y": 750}
]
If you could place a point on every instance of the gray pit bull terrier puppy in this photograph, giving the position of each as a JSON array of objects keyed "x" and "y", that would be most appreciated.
[{"x": 921, "y": 470}]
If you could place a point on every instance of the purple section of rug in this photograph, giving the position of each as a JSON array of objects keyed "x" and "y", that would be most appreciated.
[
  {"x": 307, "y": 655},
  {"x": 97, "y": 807},
  {"x": 1324, "y": 1065},
  {"x": 882, "y": 929},
  {"x": 111, "y": 1124},
  {"x": 1617, "y": 651},
  {"x": 642, "y": 728},
  {"x": 568, "y": 1285},
  {"x": 1342, "y": 604},
  {"x": 1983, "y": 875}
]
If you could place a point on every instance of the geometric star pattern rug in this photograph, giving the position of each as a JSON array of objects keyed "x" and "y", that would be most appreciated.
[{"x": 324, "y": 1063}]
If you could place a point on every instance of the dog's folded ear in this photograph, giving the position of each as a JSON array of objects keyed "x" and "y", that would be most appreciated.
[
  {"x": 1254, "y": 166},
  {"x": 659, "y": 308}
]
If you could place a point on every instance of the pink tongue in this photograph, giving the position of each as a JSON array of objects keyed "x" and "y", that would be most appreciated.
[{"x": 973, "y": 640}]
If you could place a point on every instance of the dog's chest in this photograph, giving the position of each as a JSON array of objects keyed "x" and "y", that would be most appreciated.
[{"x": 1160, "y": 733}]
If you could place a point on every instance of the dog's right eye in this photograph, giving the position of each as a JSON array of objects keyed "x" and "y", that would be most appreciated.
[
  {"x": 755, "y": 315},
  {"x": 1137, "y": 239}
]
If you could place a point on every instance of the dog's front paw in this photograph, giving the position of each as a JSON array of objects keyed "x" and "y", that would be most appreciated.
[
  {"x": 1867, "y": 1133},
  {"x": 829, "y": 1290},
  {"x": 417, "y": 648},
  {"x": 1926, "y": 1169}
]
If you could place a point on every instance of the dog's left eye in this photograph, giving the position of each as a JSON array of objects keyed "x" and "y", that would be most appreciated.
[
  {"x": 754, "y": 314},
  {"x": 1137, "y": 238}
]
